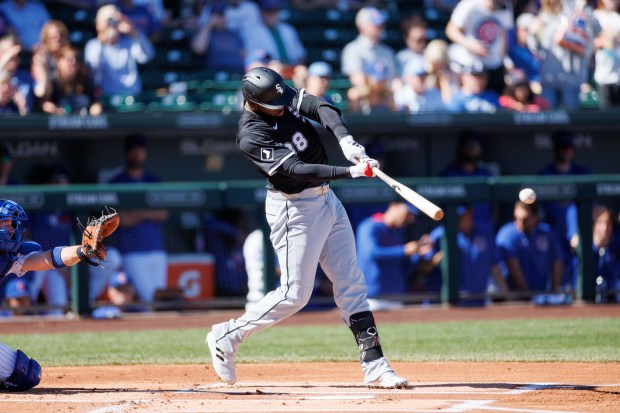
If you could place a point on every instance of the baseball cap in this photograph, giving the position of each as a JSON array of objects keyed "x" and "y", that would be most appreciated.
[
  {"x": 270, "y": 4},
  {"x": 563, "y": 139},
  {"x": 320, "y": 69},
  {"x": 219, "y": 7},
  {"x": 134, "y": 140},
  {"x": 462, "y": 209},
  {"x": 369, "y": 15},
  {"x": 525, "y": 20},
  {"x": 412, "y": 210},
  {"x": 377, "y": 70},
  {"x": 258, "y": 55},
  {"x": 106, "y": 12},
  {"x": 17, "y": 288},
  {"x": 415, "y": 67},
  {"x": 119, "y": 279}
]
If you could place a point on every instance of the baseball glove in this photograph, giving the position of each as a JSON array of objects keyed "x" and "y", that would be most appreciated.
[{"x": 93, "y": 233}]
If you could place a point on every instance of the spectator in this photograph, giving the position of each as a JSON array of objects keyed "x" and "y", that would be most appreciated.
[
  {"x": 468, "y": 163},
  {"x": 101, "y": 277},
  {"x": 375, "y": 94},
  {"x": 474, "y": 96},
  {"x": 414, "y": 34},
  {"x": 6, "y": 164},
  {"x": 386, "y": 260},
  {"x": 111, "y": 288},
  {"x": 258, "y": 58},
  {"x": 519, "y": 97},
  {"x": 242, "y": 16},
  {"x": 27, "y": 18},
  {"x": 530, "y": 252},
  {"x": 606, "y": 253},
  {"x": 54, "y": 36},
  {"x": 556, "y": 212},
  {"x": 317, "y": 80},
  {"x": 21, "y": 79},
  {"x": 415, "y": 96},
  {"x": 478, "y": 260},
  {"x": 17, "y": 297},
  {"x": 221, "y": 48},
  {"x": 157, "y": 9},
  {"x": 140, "y": 237},
  {"x": 225, "y": 233},
  {"x": 279, "y": 39},
  {"x": 367, "y": 57},
  {"x": 440, "y": 74},
  {"x": 344, "y": 5},
  {"x": 113, "y": 56},
  {"x": 142, "y": 18},
  {"x": 11, "y": 101},
  {"x": 523, "y": 59},
  {"x": 607, "y": 57},
  {"x": 479, "y": 32},
  {"x": 55, "y": 227},
  {"x": 564, "y": 65},
  {"x": 72, "y": 90},
  {"x": 120, "y": 290}
]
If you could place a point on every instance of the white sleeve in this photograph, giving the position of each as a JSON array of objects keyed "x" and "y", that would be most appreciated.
[{"x": 460, "y": 14}]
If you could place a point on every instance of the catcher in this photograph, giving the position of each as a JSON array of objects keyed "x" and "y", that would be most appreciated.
[{"x": 18, "y": 372}]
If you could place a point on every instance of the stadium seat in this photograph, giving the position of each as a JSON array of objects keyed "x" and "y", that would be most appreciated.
[
  {"x": 589, "y": 100},
  {"x": 176, "y": 59},
  {"x": 172, "y": 103},
  {"x": 122, "y": 103},
  {"x": 220, "y": 101},
  {"x": 175, "y": 38}
]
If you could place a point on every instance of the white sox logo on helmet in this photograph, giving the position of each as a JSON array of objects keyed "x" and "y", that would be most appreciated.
[{"x": 279, "y": 89}]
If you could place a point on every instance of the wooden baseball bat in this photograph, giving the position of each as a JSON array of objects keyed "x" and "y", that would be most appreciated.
[{"x": 411, "y": 196}]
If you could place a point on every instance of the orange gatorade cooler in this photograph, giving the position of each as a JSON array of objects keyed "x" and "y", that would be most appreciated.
[{"x": 194, "y": 274}]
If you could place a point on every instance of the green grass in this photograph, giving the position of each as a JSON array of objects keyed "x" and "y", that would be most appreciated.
[{"x": 575, "y": 340}]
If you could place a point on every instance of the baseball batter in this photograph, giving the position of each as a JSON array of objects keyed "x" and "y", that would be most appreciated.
[
  {"x": 308, "y": 223},
  {"x": 18, "y": 372}
]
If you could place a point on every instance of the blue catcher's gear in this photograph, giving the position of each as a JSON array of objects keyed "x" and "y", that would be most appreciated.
[
  {"x": 27, "y": 374},
  {"x": 13, "y": 221}
]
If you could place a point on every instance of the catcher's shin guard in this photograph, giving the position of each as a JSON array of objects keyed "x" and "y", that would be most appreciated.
[
  {"x": 366, "y": 336},
  {"x": 27, "y": 374}
]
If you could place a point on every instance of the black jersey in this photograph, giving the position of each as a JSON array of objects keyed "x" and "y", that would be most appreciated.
[{"x": 269, "y": 141}]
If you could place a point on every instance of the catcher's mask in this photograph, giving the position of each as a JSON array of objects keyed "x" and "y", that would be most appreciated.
[
  {"x": 13, "y": 221},
  {"x": 266, "y": 88}
]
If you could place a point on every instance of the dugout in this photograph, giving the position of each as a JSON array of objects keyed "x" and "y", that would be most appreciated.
[{"x": 195, "y": 155}]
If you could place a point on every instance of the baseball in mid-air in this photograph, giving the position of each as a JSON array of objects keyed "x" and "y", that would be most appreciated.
[{"x": 527, "y": 195}]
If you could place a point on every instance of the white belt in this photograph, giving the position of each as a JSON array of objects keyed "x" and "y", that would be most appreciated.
[{"x": 306, "y": 193}]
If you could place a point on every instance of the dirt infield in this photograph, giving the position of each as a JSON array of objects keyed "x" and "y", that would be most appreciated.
[{"x": 325, "y": 387}]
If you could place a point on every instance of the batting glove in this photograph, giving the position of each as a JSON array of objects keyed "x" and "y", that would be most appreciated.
[
  {"x": 353, "y": 151},
  {"x": 364, "y": 168}
]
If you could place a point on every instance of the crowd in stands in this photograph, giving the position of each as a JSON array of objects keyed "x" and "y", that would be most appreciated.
[{"x": 77, "y": 56}]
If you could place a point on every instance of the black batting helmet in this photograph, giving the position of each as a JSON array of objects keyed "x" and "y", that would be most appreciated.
[{"x": 266, "y": 88}]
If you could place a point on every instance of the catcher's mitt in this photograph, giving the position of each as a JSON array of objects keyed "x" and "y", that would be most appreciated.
[{"x": 93, "y": 234}]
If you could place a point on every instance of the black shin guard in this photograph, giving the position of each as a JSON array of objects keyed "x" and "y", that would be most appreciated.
[{"x": 366, "y": 336}]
